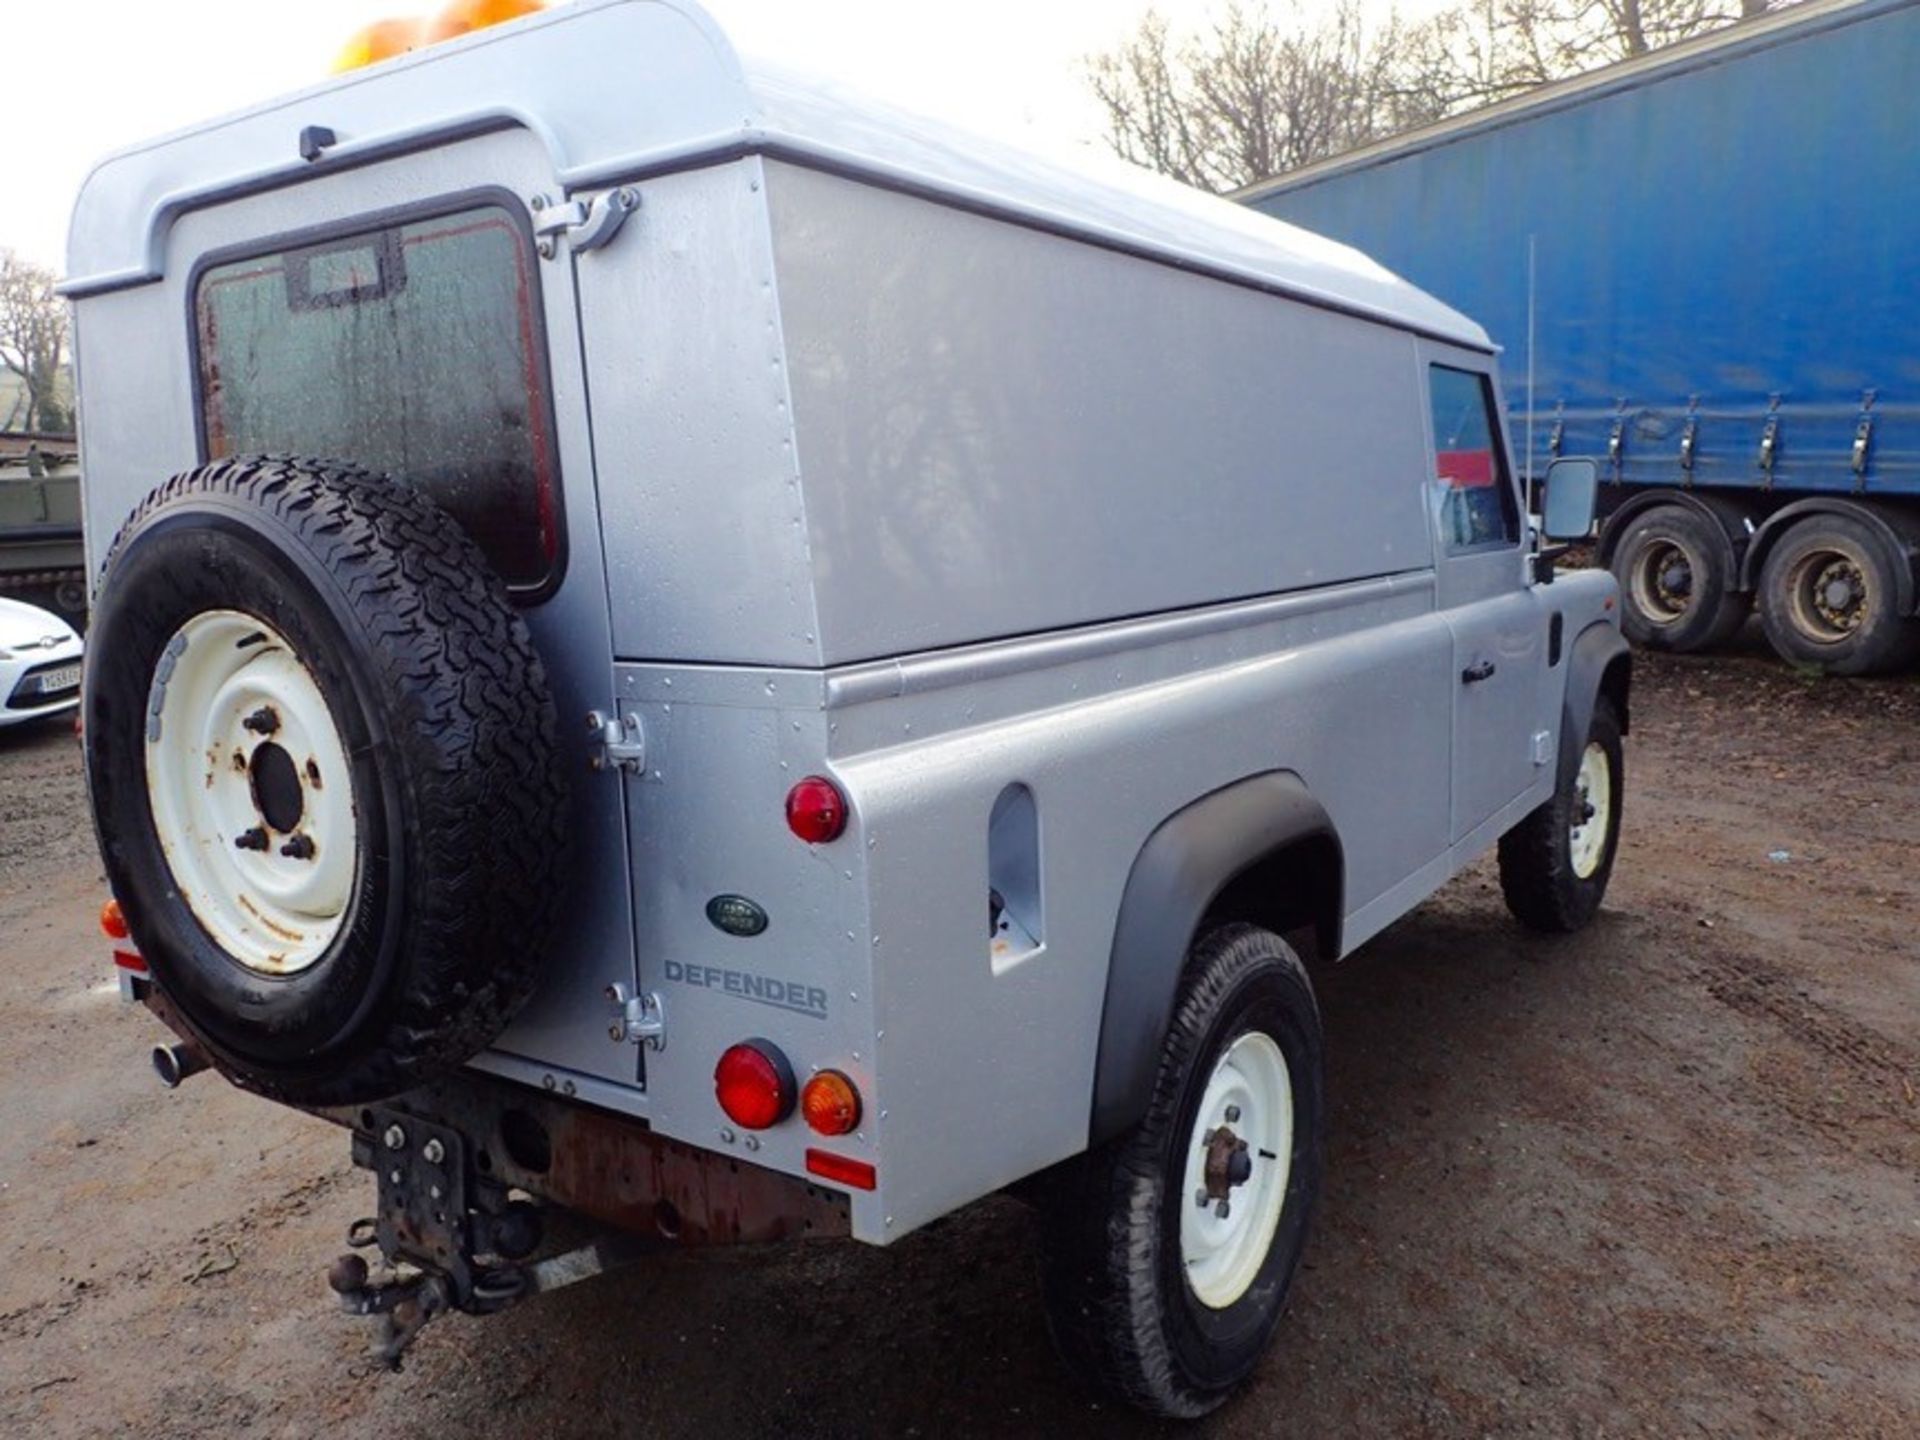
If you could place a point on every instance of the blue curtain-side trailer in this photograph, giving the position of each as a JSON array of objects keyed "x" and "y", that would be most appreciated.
[{"x": 1718, "y": 248}]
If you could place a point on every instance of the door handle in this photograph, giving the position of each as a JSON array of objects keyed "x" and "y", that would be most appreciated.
[{"x": 1476, "y": 672}]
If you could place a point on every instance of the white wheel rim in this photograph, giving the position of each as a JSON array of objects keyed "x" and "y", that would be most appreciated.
[
  {"x": 275, "y": 908},
  {"x": 1250, "y": 1097},
  {"x": 1592, "y": 810}
]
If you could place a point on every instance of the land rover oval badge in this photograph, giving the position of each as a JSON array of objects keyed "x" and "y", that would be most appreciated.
[{"x": 736, "y": 914}]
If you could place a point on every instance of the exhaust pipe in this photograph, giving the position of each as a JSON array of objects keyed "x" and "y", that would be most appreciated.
[{"x": 174, "y": 1063}]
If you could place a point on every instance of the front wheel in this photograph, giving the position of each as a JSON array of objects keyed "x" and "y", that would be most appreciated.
[
  {"x": 1169, "y": 1252},
  {"x": 1555, "y": 864}
]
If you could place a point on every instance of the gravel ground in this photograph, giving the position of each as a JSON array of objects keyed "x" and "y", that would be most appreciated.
[{"x": 1659, "y": 1180}]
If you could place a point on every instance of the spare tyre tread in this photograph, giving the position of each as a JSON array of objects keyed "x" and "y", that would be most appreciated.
[{"x": 482, "y": 749}]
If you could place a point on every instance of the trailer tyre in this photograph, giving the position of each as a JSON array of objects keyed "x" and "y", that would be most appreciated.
[
  {"x": 325, "y": 776},
  {"x": 1828, "y": 599},
  {"x": 1676, "y": 585},
  {"x": 1555, "y": 864},
  {"x": 1169, "y": 1251}
]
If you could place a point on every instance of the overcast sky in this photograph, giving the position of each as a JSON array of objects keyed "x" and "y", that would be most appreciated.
[{"x": 86, "y": 76}]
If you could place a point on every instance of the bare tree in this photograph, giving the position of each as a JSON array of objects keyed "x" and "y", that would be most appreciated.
[
  {"x": 1485, "y": 50},
  {"x": 1247, "y": 97},
  {"x": 33, "y": 333}
]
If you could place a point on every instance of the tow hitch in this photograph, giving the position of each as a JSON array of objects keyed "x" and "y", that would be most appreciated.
[{"x": 451, "y": 1238}]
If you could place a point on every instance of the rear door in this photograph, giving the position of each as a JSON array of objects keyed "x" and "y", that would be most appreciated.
[
  {"x": 1499, "y": 632},
  {"x": 401, "y": 315}
]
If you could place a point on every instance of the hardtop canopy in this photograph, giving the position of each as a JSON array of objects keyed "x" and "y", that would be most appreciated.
[{"x": 618, "y": 89}]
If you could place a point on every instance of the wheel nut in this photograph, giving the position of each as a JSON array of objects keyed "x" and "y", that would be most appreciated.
[
  {"x": 1201, "y": 1199},
  {"x": 1233, "y": 1114},
  {"x": 1222, "y": 1210},
  {"x": 298, "y": 847},
  {"x": 264, "y": 721},
  {"x": 395, "y": 1138},
  {"x": 254, "y": 839}
]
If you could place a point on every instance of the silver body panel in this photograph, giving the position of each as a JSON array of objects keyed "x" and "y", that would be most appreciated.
[{"x": 909, "y": 463}]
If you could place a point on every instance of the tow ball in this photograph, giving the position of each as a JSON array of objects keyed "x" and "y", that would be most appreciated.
[{"x": 449, "y": 1238}]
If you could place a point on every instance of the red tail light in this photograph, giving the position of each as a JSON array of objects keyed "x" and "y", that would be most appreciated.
[
  {"x": 844, "y": 1171},
  {"x": 816, "y": 810},
  {"x": 754, "y": 1084}
]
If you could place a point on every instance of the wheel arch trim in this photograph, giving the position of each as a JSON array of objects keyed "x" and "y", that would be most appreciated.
[
  {"x": 1598, "y": 662},
  {"x": 1181, "y": 870}
]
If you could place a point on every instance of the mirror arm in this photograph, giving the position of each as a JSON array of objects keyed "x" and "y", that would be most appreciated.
[{"x": 1543, "y": 562}]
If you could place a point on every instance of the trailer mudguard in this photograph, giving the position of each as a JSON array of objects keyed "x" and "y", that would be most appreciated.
[
  {"x": 1732, "y": 519},
  {"x": 1185, "y": 865},
  {"x": 1900, "y": 535},
  {"x": 1599, "y": 660}
]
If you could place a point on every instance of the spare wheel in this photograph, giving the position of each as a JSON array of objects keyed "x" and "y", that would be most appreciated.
[{"x": 324, "y": 773}]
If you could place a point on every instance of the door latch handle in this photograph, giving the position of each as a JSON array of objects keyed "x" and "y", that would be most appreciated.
[{"x": 1476, "y": 672}]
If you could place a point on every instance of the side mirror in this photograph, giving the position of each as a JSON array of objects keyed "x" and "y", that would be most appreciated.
[{"x": 1568, "y": 499}]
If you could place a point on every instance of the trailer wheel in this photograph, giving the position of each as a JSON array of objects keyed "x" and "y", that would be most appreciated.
[
  {"x": 1828, "y": 599},
  {"x": 1169, "y": 1251},
  {"x": 1555, "y": 864},
  {"x": 324, "y": 771},
  {"x": 1676, "y": 591}
]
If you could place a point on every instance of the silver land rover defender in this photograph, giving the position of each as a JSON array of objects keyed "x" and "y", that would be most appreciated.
[{"x": 745, "y": 666}]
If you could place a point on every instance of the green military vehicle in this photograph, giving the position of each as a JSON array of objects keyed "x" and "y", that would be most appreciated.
[{"x": 41, "y": 558}]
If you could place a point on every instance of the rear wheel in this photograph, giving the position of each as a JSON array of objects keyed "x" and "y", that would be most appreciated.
[
  {"x": 1676, "y": 585},
  {"x": 1828, "y": 599},
  {"x": 324, "y": 771},
  {"x": 1170, "y": 1251}
]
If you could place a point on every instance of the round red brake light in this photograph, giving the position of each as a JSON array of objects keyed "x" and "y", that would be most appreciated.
[
  {"x": 754, "y": 1084},
  {"x": 816, "y": 810}
]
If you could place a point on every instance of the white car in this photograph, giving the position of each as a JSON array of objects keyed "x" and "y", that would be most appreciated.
[{"x": 39, "y": 663}]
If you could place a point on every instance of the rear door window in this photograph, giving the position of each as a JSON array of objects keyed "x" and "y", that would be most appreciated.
[
  {"x": 414, "y": 348},
  {"x": 1476, "y": 501}
]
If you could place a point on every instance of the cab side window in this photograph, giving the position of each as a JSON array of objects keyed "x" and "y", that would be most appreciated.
[{"x": 1476, "y": 504}]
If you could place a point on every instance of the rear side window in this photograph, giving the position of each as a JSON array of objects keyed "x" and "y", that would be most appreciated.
[
  {"x": 414, "y": 349},
  {"x": 1476, "y": 493}
]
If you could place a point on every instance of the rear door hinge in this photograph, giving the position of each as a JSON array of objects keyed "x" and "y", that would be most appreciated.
[
  {"x": 618, "y": 742},
  {"x": 642, "y": 1018},
  {"x": 587, "y": 223}
]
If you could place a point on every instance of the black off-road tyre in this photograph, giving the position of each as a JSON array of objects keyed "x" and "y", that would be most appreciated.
[
  {"x": 1870, "y": 637},
  {"x": 1543, "y": 886},
  {"x": 443, "y": 711},
  {"x": 1706, "y": 611},
  {"x": 1118, "y": 1299}
]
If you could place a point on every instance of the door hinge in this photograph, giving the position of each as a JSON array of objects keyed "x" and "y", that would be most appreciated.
[
  {"x": 619, "y": 742},
  {"x": 588, "y": 224},
  {"x": 642, "y": 1019}
]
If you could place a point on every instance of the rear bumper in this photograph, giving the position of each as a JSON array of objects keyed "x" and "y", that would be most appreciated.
[{"x": 612, "y": 1168}]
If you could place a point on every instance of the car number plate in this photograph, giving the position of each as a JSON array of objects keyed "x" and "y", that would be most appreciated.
[{"x": 65, "y": 678}]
